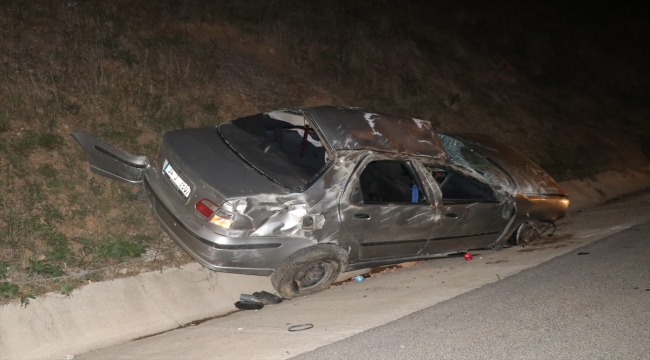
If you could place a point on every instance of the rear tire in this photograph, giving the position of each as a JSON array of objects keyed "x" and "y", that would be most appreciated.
[{"x": 306, "y": 272}]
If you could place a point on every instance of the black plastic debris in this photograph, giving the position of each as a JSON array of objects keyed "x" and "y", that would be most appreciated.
[
  {"x": 267, "y": 298},
  {"x": 300, "y": 327},
  {"x": 257, "y": 300},
  {"x": 249, "y": 305},
  {"x": 583, "y": 253}
]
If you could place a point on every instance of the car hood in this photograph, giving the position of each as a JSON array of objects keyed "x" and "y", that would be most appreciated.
[
  {"x": 529, "y": 178},
  {"x": 208, "y": 161}
]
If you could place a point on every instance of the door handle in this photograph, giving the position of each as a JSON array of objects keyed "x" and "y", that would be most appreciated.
[
  {"x": 361, "y": 216},
  {"x": 451, "y": 215}
]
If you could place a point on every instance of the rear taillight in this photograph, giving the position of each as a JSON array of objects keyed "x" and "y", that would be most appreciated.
[
  {"x": 206, "y": 207},
  {"x": 224, "y": 219},
  {"x": 220, "y": 217}
]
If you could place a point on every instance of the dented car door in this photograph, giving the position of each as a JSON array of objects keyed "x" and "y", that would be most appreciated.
[
  {"x": 472, "y": 215},
  {"x": 385, "y": 209}
]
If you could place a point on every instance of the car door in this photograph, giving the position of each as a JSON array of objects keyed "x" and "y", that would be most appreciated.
[
  {"x": 385, "y": 209},
  {"x": 471, "y": 214},
  {"x": 111, "y": 162}
]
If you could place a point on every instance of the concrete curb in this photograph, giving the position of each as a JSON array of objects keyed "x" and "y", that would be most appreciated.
[
  {"x": 108, "y": 313},
  {"x": 587, "y": 193}
]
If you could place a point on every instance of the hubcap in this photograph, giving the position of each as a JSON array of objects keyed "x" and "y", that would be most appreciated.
[{"x": 313, "y": 274}]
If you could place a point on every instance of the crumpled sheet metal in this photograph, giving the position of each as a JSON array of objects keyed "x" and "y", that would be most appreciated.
[
  {"x": 281, "y": 215},
  {"x": 529, "y": 178},
  {"x": 355, "y": 129}
]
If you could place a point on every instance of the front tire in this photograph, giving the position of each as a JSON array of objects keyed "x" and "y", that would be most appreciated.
[{"x": 306, "y": 272}]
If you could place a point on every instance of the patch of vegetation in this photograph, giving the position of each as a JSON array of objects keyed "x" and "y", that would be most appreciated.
[
  {"x": 40, "y": 267},
  {"x": 8, "y": 290},
  {"x": 4, "y": 269},
  {"x": 122, "y": 248},
  {"x": 66, "y": 288}
]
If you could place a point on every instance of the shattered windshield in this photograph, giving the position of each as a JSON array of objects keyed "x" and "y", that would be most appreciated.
[
  {"x": 280, "y": 144},
  {"x": 462, "y": 154}
]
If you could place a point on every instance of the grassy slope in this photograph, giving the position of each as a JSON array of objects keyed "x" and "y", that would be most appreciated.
[{"x": 127, "y": 71}]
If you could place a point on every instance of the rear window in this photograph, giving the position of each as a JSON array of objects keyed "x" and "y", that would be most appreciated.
[{"x": 280, "y": 144}]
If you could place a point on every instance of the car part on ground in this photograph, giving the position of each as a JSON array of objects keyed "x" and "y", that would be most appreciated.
[{"x": 304, "y": 194}]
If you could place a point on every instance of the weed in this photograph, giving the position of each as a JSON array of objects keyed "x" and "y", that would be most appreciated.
[
  {"x": 52, "y": 214},
  {"x": 24, "y": 299},
  {"x": 33, "y": 193},
  {"x": 8, "y": 290},
  {"x": 53, "y": 183},
  {"x": 80, "y": 213},
  {"x": 167, "y": 121},
  {"x": 210, "y": 108},
  {"x": 95, "y": 187},
  {"x": 120, "y": 249},
  {"x": 58, "y": 243},
  {"x": 134, "y": 216},
  {"x": 60, "y": 253},
  {"x": 26, "y": 143},
  {"x": 47, "y": 171},
  {"x": 17, "y": 227},
  {"x": 40, "y": 267},
  {"x": 50, "y": 141},
  {"x": 4, "y": 269},
  {"x": 66, "y": 288},
  {"x": 93, "y": 277}
]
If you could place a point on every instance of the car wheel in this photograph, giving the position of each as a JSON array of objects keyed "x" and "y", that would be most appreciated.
[
  {"x": 530, "y": 232},
  {"x": 306, "y": 272}
]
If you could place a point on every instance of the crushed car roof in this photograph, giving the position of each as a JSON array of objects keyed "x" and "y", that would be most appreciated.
[{"x": 357, "y": 129}]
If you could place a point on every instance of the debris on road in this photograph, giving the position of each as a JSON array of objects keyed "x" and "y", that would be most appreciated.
[
  {"x": 359, "y": 278},
  {"x": 468, "y": 256},
  {"x": 257, "y": 300},
  {"x": 301, "y": 327},
  {"x": 497, "y": 262},
  {"x": 249, "y": 305},
  {"x": 266, "y": 298}
]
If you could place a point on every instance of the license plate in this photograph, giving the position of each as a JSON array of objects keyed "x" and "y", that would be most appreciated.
[{"x": 176, "y": 180}]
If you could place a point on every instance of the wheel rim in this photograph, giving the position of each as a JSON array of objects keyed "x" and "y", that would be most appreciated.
[{"x": 313, "y": 274}]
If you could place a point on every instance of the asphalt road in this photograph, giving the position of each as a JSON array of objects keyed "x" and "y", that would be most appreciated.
[{"x": 575, "y": 306}]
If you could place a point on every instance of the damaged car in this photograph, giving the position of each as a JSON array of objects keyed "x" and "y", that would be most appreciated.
[{"x": 304, "y": 194}]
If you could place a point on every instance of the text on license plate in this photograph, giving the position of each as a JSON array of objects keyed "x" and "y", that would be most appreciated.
[{"x": 180, "y": 184}]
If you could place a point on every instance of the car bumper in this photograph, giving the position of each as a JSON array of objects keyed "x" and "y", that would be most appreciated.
[{"x": 246, "y": 255}]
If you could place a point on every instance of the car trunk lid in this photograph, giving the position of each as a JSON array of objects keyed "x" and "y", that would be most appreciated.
[{"x": 202, "y": 158}]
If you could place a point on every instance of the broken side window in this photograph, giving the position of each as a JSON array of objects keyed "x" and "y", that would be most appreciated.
[
  {"x": 389, "y": 182},
  {"x": 458, "y": 152},
  {"x": 458, "y": 188}
]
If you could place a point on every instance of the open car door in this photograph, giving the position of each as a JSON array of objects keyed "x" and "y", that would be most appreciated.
[{"x": 111, "y": 162}]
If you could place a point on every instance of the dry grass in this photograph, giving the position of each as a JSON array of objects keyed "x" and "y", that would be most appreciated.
[{"x": 129, "y": 71}]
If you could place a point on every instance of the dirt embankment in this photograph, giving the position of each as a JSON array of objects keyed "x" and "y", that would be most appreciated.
[{"x": 127, "y": 71}]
